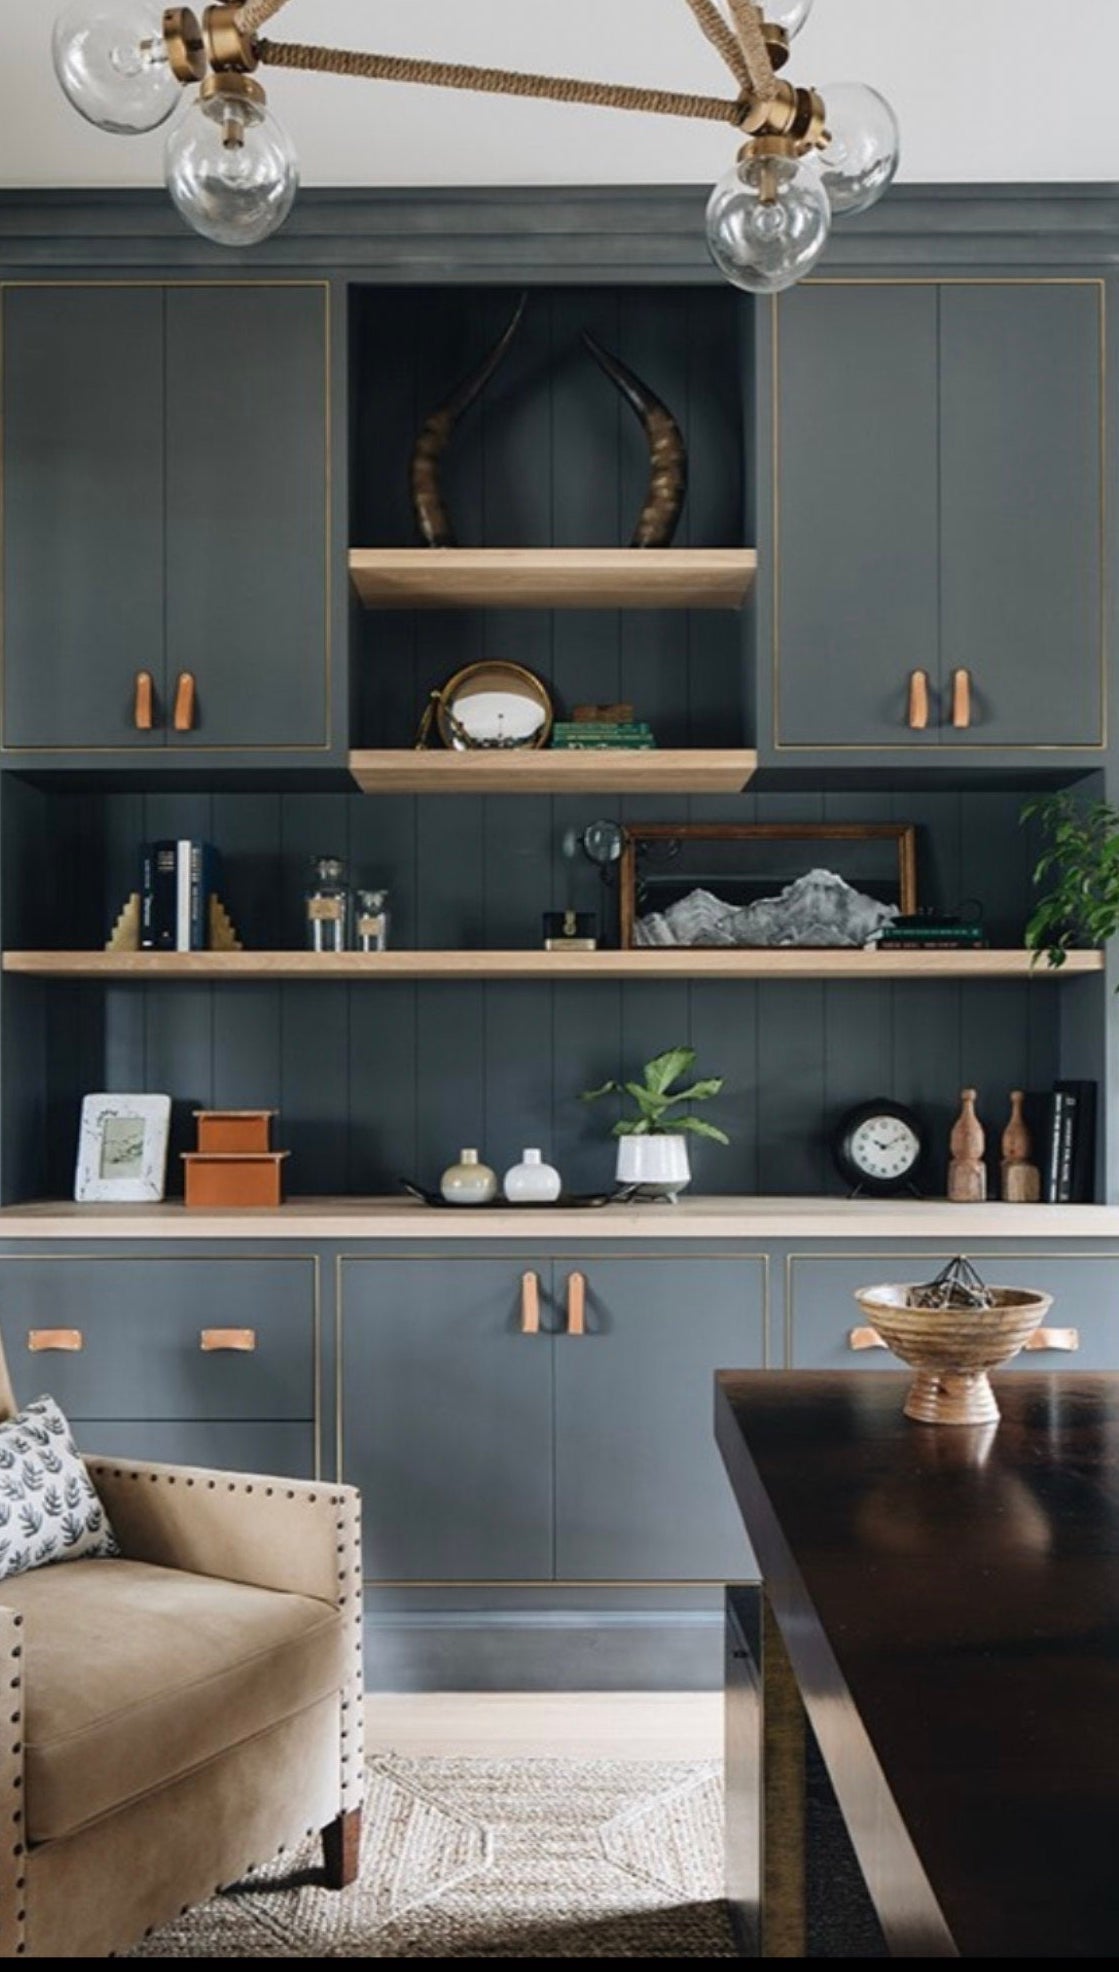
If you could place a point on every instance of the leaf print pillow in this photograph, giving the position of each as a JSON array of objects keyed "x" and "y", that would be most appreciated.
[{"x": 49, "y": 1508}]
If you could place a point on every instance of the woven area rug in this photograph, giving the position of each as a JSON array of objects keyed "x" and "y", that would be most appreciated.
[{"x": 495, "y": 1859}]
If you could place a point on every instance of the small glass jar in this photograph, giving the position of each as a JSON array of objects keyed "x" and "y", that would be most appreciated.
[
  {"x": 371, "y": 920},
  {"x": 328, "y": 905}
]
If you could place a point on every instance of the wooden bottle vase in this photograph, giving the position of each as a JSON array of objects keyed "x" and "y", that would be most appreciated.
[{"x": 967, "y": 1173}]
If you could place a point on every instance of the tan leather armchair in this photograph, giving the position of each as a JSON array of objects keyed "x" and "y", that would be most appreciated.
[{"x": 181, "y": 1714}]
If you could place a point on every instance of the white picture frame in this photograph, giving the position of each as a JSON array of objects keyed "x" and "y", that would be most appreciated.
[{"x": 122, "y": 1150}]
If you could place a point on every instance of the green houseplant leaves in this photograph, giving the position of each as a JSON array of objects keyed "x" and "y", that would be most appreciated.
[
  {"x": 1079, "y": 869},
  {"x": 657, "y": 1106}
]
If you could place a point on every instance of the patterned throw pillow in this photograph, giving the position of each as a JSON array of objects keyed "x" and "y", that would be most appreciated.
[{"x": 49, "y": 1509}]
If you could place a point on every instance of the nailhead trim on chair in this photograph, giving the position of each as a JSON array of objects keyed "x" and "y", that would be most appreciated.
[{"x": 13, "y": 1878}]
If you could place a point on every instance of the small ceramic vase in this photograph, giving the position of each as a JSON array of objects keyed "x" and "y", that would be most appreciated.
[
  {"x": 657, "y": 1164},
  {"x": 469, "y": 1182},
  {"x": 532, "y": 1182}
]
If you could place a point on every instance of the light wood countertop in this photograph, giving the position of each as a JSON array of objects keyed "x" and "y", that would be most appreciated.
[{"x": 760, "y": 1220}]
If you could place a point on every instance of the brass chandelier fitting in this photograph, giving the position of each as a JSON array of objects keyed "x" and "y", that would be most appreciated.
[{"x": 233, "y": 174}]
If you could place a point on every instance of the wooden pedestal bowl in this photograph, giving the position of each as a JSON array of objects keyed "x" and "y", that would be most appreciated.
[{"x": 953, "y": 1349}]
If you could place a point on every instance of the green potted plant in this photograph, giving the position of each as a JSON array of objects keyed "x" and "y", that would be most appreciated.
[
  {"x": 653, "y": 1142},
  {"x": 1079, "y": 865}
]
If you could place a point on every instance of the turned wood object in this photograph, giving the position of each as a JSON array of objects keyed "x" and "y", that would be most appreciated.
[
  {"x": 967, "y": 1173},
  {"x": 1021, "y": 1179},
  {"x": 953, "y": 1349}
]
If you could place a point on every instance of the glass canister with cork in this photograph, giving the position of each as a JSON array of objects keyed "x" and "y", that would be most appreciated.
[{"x": 327, "y": 905}]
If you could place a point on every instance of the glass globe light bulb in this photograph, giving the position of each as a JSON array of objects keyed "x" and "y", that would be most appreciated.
[
  {"x": 768, "y": 222},
  {"x": 232, "y": 171},
  {"x": 862, "y": 158},
  {"x": 789, "y": 14},
  {"x": 111, "y": 62}
]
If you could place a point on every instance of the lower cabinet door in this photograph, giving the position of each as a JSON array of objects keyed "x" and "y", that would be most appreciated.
[
  {"x": 446, "y": 1420},
  {"x": 288, "y": 1450},
  {"x": 641, "y": 1494},
  {"x": 1083, "y": 1321}
]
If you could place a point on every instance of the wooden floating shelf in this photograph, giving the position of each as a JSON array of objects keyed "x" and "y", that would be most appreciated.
[
  {"x": 607, "y": 770},
  {"x": 653, "y": 964},
  {"x": 553, "y": 578}
]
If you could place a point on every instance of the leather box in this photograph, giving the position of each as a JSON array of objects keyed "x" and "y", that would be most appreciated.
[
  {"x": 240, "y": 1178},
  {"x": 229, "y": 1131}
]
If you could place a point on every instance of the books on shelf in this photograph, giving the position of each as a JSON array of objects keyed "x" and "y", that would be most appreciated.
[
  {"x": 586, "y": 735},
  {"x": 1062, "y": 1121},
  {"x": 177, "y": 880}
]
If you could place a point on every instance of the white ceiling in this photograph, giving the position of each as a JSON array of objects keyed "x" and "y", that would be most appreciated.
[{"x": 1029, "y": 110}]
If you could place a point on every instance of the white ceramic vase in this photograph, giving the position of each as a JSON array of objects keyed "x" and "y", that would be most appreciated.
[
  {"x": 469, "y": 1182},
  {"x": 532, "y": 1182},
  {"x": 657, "y": 1164}
]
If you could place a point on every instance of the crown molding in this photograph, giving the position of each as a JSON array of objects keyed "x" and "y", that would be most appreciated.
[{"x": 628, "y": 234}]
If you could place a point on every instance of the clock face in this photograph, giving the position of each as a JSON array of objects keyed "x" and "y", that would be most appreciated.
[{"x": 879, "y": 1146}]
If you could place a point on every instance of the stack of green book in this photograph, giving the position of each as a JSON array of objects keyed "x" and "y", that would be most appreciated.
[
  {"x": 584, "y": 735},
  {"x": 931, "y": 934}
]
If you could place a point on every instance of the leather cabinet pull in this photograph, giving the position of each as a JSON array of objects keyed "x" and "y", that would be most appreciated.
[
  {"x": 576, "y": 1304},
  {"x": 961, "y": 700},
  {"x": 183, "y": 719},
  {"x": 530, "y": 1304},
  {"x": 917, "y": 717},
  {"x": 1054, "y": 1338},
  {"x": 865, "y": 1338},
  {"x": 143, "y": 706},
  {"x": 69, "y": 1339},
  {"x": 240, "y": 1339}
]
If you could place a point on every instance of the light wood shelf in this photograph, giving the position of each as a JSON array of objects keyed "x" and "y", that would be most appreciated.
[
  {"x": 553, "y": 578},
  {"x": 608, "y": 770},
  {"x": 654, "y": 964}
]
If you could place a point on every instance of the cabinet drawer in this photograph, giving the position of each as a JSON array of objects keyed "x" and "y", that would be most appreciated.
[
  {"x": 1085, "y": 1290},
  {"x": 141, "y": 1324},
  {"x": 288, "y": 1450}
]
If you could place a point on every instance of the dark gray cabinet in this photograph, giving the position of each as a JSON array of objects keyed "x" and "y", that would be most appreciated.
[
  {"x": 938, "y": 507},
  {"x": 486, "y": 1454},
  {"x": 822, "y": 1314},
  {"x": 166, "y": 500},
  {"x": 155, "y": 1343}
]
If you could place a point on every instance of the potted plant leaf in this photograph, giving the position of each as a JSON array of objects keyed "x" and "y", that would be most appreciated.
[
  {"x": 653, "y": 1141},
  {"x": 1079, "y": 869}
]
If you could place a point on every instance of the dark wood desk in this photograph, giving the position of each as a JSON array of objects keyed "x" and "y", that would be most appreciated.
[{"x": 946, "y": 1604}]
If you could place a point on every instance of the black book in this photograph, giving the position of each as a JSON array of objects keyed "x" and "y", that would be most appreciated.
[
  {"x": 1067, "y": 1104},
  {"x": 1082, "y": 1149},
  {"x": 158, "y": 897}
]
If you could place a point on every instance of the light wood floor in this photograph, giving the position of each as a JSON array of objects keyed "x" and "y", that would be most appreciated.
[{"x": 584, "y": 1725}]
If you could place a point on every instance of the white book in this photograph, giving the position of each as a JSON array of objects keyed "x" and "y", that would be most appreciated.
[{"x": 182, "y": 895}]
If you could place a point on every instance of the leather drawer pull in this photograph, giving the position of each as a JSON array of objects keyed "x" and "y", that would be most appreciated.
[
  {"x": 1053, "y": 1338},
  {"x": 530, "y": 1304},
  {"x": 143, "y": 711},
  {"x": 961, "y": 700},
  {"x": 917, "y": 717},
  {"x": 576, "y": 1304},
  {"x": 70, "y": 1339},
  {"x": 241, "y": 1339},
  {"x": 865, "y": 1338},
  {"x": 183, "y": 719}
]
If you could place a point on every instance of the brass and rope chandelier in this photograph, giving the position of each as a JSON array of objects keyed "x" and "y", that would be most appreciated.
[{"x": 232, "y": 172}]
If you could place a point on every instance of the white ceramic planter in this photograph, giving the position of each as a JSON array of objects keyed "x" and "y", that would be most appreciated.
[{"x": 658, "y": 1164}]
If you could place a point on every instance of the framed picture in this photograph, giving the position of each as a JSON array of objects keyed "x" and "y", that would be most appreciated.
[
  {"x": 683, "y": 883},
  {"x": 122, "y": 1149}
]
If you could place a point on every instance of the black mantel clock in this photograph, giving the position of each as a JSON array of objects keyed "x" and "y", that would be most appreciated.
[{"x": 879, "y": 1148}]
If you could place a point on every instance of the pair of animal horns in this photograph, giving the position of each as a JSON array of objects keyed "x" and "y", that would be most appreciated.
[{"x": 668, "y": 459}]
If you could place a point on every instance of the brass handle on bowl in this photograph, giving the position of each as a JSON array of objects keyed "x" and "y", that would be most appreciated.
[
  {"x": 865, "y": 1338},
  {"x": 576, "y": 1304},
  {"x": 70, "y": 1339},
  {"x": 961, "y": 700},
  {"x": 530, "y": 1304},
  {"x": 1053, "y": 1338},
  {"x": 143, "y": 705},
  {"x": 240, "y": 1339},
  {"x": 918, "y": 714},
  {"x": 183, "y": 717}
]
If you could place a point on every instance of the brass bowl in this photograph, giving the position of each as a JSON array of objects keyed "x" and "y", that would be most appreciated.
[{"x": 953, "y": 1349}]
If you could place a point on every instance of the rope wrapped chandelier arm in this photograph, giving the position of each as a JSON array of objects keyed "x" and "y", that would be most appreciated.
[{"x": 233, "y": 174}]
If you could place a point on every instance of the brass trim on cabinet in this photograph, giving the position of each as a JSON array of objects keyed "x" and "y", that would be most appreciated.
[
  {"x": 124, "y": 752},
  {"x": 955, "y": 747},
  {"x": 424, "y": 1259}
]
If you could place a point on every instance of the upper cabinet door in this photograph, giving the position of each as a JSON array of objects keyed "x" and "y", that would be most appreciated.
[
  {"x": 1022, "y": 525},
  {"x": 83, "y": 513},
  {"x": 248, "y": 575},
  {"x": 855, "y": 520}
]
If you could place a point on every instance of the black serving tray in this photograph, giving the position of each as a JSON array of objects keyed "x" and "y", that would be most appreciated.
[{"x": 567, "y": 1200}]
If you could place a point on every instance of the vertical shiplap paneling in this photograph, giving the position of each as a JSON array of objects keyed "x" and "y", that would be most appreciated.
[
  {"x": 178, "y": 1021},
  {"x": 654, "y": 643},
  {"x": 382, "y": 1018},
  {"x": 314, "y": 1076},
  {"x": 719, "y": 643},
  {"x": 247, "y": 1020}
]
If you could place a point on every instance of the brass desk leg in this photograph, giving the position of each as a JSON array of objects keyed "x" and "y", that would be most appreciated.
[{"x": 783, "y": 1922}]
